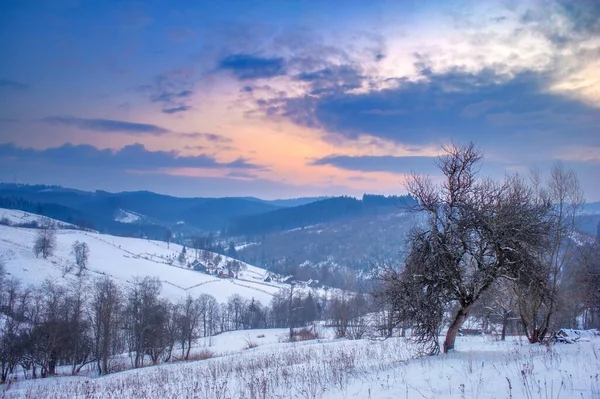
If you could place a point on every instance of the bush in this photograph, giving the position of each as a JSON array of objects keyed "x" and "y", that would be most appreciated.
[
  {"x": 202, "y": 355},
  {"x": 304, "y": 334}
]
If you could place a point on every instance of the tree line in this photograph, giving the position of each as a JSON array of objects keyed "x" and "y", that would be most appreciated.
[{"x": 89, "y": 322}]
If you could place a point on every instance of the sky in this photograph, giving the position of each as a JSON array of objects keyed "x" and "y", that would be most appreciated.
[{"x": 290, "y": 98}]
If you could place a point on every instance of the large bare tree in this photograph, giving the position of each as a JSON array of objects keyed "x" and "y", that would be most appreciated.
[{"x": 475, "y": 231}]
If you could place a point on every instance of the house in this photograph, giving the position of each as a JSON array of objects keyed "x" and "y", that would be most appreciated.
[
  {"x": 268, "y": 279},
  {"x": 199, "y": 266},
  {"x": 220, "y": 272},
  {"x": 288, "y": 280}
]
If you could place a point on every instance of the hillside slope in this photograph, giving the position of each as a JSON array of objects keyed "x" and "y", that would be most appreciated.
[
  {"x": 324, "y": 211},
  {"x": 123, "y": 258}
]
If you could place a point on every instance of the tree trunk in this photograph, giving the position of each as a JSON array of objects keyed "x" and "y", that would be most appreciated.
[
  {"x": 189, "y": 348},
  {"x": 52, "y": 363},
  {"x": 460, "y": 318},
  {"x": 504, "y": 325}
]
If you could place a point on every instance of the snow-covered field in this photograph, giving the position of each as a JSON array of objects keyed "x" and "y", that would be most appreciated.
[
  {"x": 123, "y": 258},
  {"x": 260, "y": 364},
  {"x": 482, "y": 368},
  {"x": 17, "y": 217}
]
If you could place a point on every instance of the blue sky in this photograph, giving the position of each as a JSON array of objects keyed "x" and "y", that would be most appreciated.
[{"x": 293, "y": 98}]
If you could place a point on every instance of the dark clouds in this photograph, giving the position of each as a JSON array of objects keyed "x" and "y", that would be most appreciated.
[
  {"x": 248, "y": 66},
  {"x": 172, "y": 90},
  {"x": 485, "y": 107},
  {"x": 133, "y": 157},
  {"x": 169, "y": 97},
  {"x": 372, "y": 163},
  {"x": 334, "y": 78},
  {"x": 176, "y": 110},
  {"x": 107, "y": 125},
  {"x": 584, "y": 15}
]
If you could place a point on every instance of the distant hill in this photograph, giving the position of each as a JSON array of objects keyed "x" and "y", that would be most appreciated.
[
  {"x": 155, "y": 214},
  {"x": 323, "y": 211},
  {"x": 296, "y": 201},
  {"x": 588, "y": 220},
  {"x": 144, "y": 213}
]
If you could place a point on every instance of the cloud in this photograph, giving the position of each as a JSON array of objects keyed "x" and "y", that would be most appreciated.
[
  {"x": 242, "y": 163},
  {"x": 169, "y": 97},
  {"x": 373, "y": 163},
  {"x": 107, "y": 125},
  {"x": 247, "y": 66},
  {"x": 584, "y": 14},
  {"x": 12, "y": 84},
  {"x": 173, "y": 90},
  {"x": 334, "y": 78},
  {"x": 486, "y": 107},
  {"x": 175, "y": 110},
  {"x": 133, "y": 157},
  {"x": 241, "y": 175},
  {"x": 212, "y": 137}
]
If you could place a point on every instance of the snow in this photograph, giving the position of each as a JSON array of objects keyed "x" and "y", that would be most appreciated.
[
  {"x": 124, "y": 216},
  {"x": 331, "y": 369},
  {"x": 261, "y": 364},
  {"x": 570, "y": 336},
  {"x": 242, "y": 246},
  {"x": 16, "y": 217},
  {"x": 123, "y": 258}
]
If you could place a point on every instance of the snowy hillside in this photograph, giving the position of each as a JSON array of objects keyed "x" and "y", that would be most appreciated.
[
  {"x": 124, "y": 258},
  {"x": 16, "y": 217}
]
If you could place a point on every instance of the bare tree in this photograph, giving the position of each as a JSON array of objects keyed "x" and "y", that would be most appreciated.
[
  {"x": 168, "y": 237},
  {"x": 542, "y": 297},
  {"x": 188, "y": 313},
  {"x": 105, "y": 314},
  {"x": 587, "y": 280},
  {"x": 233, "y": 266},
  {"x": 81, "y": 251},
  {"x": 182, "y": 258},
  {"x": 45, "y": 241},
  {"x": 209, "y": 309},
  {"x": 146, "y": 320},
  {"x": 13, "y": 302},
  {"x": 499, "y": 305},
  {"x": 476, "y": 231}
]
